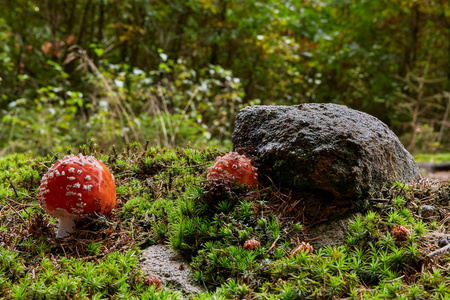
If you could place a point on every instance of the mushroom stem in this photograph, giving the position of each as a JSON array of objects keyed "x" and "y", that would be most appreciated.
[{"x": 65, "y": 227}]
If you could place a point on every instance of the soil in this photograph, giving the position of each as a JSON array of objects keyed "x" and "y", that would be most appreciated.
[
  {"x": 442, "y": 175},
  {"x": 435, "y": 171}
]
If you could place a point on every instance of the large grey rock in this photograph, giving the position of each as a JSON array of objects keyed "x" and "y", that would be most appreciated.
[{"x": 325, "y": 147}]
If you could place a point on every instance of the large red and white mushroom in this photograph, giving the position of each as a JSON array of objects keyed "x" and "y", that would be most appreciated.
[
  {"x": 74, "y": 186},
  {"x": 233, "y": 168}
]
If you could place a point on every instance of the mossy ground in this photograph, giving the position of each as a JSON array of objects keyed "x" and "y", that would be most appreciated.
[
  {"x": 163, "y": 198},
  {"x": 433, "y": 158}
]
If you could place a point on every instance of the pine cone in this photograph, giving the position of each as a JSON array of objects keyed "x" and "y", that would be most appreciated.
[
  {"x": 251, "y": 244},
  {"x": 401, "y": 233}
]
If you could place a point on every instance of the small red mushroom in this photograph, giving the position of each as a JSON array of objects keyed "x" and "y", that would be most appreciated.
[
  {"x": 74, "y": 186},
  {"x": 233, "y": 168}
]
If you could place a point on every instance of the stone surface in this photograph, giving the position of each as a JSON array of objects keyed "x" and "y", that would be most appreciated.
[
  {"x": 440, "y": 239},
  {"x": 325, "y": 147},
  {"x": 444, "y": 242},
  {"x": 330, "y": 233},
  {"x": 427, "y": 211},
  {"x": 165, "y": 264}
]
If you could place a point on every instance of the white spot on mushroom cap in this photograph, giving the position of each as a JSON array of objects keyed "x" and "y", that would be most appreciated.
[
  {"x": 77, "y": 211},
  {"x": 63, "y": 173},
  {"x": 71, "y": 170},
  {"x": 71, "y": 178},
  {"x": 57, "y": 173},
  {"x": 87, "y": 178},
  {"x": 77, "y": 185},
  {"x": 79, "y": 172}
]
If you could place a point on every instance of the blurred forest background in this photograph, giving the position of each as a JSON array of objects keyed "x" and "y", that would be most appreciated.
[{"x": 175, "y": 72}]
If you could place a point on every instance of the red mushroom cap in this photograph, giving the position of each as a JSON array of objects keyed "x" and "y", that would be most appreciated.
[
  {"x": 233, "y": 168},
  {"x": 77, "y": 185}
]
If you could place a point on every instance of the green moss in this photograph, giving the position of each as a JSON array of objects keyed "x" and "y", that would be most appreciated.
[{"x": 433, "y": 158}]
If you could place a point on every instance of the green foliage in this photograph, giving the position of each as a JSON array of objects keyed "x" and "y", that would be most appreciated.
[
  {"x": 122, "y": 72},
  {"x": 433, "y": 158}
]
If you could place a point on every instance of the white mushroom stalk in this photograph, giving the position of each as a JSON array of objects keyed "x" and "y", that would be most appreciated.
[{"x": 65, "y": 227}]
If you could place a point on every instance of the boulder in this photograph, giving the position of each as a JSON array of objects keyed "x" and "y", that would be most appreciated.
[{"x": 325, "y": 147}]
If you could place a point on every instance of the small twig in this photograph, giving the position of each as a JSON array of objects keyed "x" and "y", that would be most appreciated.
[
  {"x": 184, "y": 167},
  {"x": 15, "y": 202},
  {"x": 14, "y": 188},
  {"x": 273, "y": 245},
  {"x": 313, "y": 239},
  {"x": 17, "y": 213},
  {"x": 439, "y": 251},
  {"x": 442, "y": 222},
  {"x": 392, "y": 166},
  {"x": 221, "y": 250},
  {"x": 395, "y": 279}
]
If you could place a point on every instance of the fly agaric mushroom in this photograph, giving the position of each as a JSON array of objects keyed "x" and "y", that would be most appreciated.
[
  {"x": 233, "y": 168},
  {"x": 74, "y": 186}
]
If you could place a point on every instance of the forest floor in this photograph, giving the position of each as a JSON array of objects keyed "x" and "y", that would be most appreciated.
[{"x": 441, "y": 175}]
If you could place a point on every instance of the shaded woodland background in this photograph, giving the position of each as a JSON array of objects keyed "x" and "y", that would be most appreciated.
[{"x": 175, "y": 73}]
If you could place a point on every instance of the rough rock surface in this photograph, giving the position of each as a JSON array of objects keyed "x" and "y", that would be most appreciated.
[
  {"x": 329, "y": 233},
  {"x": 168, "y": 266},
  {"x": 325, "y": 147}
]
